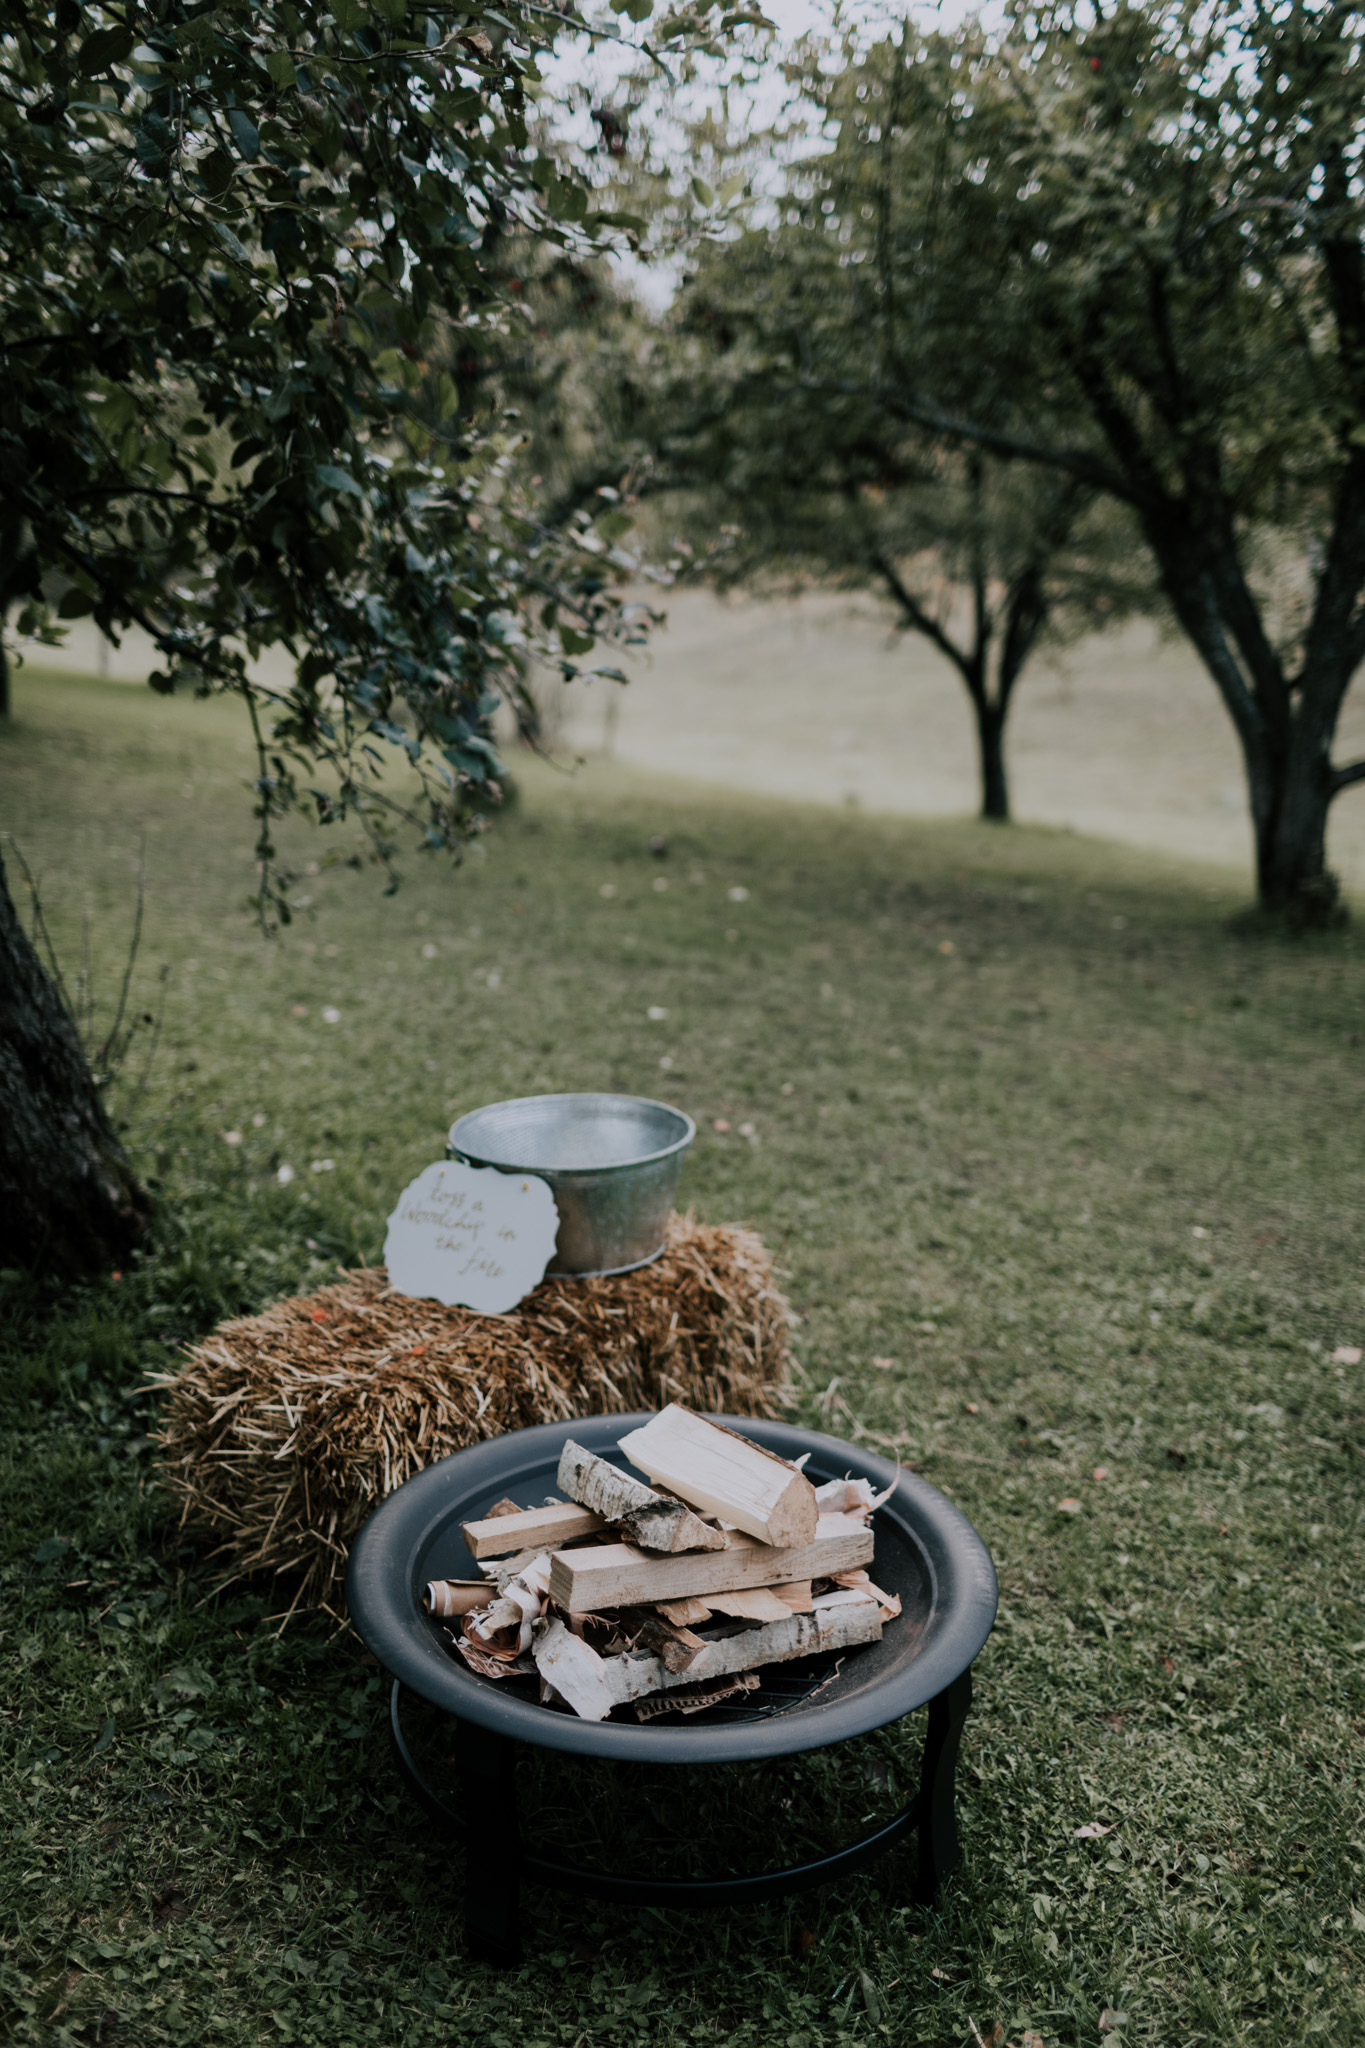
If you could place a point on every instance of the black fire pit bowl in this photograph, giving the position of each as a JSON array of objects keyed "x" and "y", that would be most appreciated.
[{"x": 927, "y": 1551}]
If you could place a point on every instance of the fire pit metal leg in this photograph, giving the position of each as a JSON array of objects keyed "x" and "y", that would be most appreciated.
[
  {"x": 939, "y": 1851},
  {"x": 487, "y": 1821},
  {"x": 488, "y": 1797}
]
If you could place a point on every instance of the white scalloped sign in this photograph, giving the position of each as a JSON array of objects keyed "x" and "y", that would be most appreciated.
[{"x": 471, "y": 1236}]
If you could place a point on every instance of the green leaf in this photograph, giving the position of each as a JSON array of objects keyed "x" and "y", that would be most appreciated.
[
  {"x": 612, "y": 525},
  {"x": 574, "y": 642},
  {"x": 348, "y": 16},
  {"x": 50, "y": 1549},
  {"x": 245, "y": 133},
  {"x": 338, "y": 479},
  {"x": 216, "y": 170},
  {"x": 105, "y": 47},
  {"x": 391, "y": 11},
  {"x": 182, "y": 1682},
  {"x": 105, "y": 1736},
  {"x": 280, "y": 65},
  {"x": 76, "y": 603},
  {"x": 702, "y": 192},
  {"x": 230, "y": 242}
]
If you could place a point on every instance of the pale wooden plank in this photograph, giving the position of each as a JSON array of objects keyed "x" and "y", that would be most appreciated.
[
  {"x": 529, "y": 1528},
  {"x": 619, "y": 1575}
]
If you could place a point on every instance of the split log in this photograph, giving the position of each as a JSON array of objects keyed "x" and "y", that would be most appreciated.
[
  {"x": 642, "y": 1515},
  {"x": 619, "y": 1575},
  {"x": 684, "y": 1613},
  {"x": 543, "y": 1528},
  {"x": 725, "y": 1475},
  {"x": 678, "y": 1647},
  {"x": 755, "y": 1603},
  {"x": 593, "y": 1685}
]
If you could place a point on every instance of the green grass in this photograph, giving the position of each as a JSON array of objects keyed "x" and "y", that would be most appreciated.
[{"x": 1080, "y": 1159}]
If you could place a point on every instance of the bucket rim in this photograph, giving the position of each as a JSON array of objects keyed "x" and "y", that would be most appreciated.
[{"x": 679, "y": 1144}]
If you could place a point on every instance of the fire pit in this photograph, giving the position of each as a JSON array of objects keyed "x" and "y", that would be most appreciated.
[{"x": 927, "y": 1552}]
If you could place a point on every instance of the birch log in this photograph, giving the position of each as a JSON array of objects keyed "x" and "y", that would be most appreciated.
[
  {"x": 725, "y": 1475},
  {"x": 618, "y": 1575},
  {"x": 593, "y": 1685},
  {"x": 642, "y": 1515}
]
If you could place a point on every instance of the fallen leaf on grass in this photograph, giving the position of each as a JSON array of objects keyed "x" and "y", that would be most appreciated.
[
  {"x": 870, "y": 1998},
  {"x": 1109, "y": 2020},
  {"x": 884, "y": 1364},
  {"x": 1093, "y": 1829},
  {"x": 1346, "y": 1354},
  {"x": 1068, "y": 1507},
  {"x": 1101, "y": 1472},
  {"x": 1028, "y": 2039}
]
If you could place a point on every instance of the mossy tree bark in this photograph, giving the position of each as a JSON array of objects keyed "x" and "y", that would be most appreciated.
[{"x": 70, "y": 1203}]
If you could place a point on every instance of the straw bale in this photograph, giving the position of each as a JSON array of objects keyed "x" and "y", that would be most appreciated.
[{"x": 282, "y": 1431}]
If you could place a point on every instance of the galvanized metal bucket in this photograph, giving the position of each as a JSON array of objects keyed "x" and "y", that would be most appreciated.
[{"x": 612, "y": 1163}]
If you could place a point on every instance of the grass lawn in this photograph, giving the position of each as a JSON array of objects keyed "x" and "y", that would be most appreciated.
[{"x": 1066, "y": 1174}]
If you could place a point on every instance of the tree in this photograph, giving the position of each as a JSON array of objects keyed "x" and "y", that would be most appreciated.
[
  {"x": 732, "y": 416},
  {"x": 1127, "y": 247},
  {"x": 231, "y": 235},
  {"x": 788, "y": 478}
]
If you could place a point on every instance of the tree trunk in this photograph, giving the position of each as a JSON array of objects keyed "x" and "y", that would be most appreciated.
[
  {"x": 1290, "y": 794},
  {"x": 70, "y": 1204},
  {"x": 990, "y": 734}
]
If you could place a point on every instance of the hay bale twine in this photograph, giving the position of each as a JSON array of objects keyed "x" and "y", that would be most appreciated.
[{"x": 283, "y": 1431}]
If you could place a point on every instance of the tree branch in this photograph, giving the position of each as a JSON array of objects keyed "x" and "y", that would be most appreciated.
[
  {"x": 918, "y": 412},
  {"x": 1343, "y": 778},
  {"x": 918, "y": 619}
]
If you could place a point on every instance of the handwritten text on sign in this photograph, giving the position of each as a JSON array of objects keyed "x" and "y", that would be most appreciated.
[{"x": 471, "y": 1235}]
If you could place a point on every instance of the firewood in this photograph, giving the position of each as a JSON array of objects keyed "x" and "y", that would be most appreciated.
[
  {"x": 797, "y": 1596},
  {"x": 593, "y": 1685},
  {"x": 678, "y": 1647},
  {"x": 619, "y": 1575},
  {"x": 545, "y": 1528},
  {"x": 684, "y": 1613},
  {"x": 725, "y": 1475},
  {"x": 444, "y": 1597},
  {"x": 642, "y": 1515},
  {"x": 756, "y": 1603}
]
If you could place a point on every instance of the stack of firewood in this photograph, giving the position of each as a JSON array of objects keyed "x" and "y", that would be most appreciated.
[{"x": 672, "y": 1596}]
